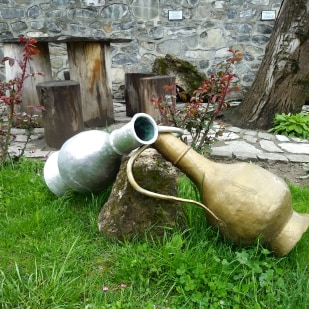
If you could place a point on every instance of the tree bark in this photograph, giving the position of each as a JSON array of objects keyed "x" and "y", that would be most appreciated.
[{"x": 282, "y": 82}]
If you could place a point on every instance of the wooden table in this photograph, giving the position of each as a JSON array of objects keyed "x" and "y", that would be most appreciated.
[{"x": 89, "y": 64}]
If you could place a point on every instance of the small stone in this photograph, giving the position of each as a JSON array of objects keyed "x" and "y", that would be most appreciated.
[
  {"x": 37, "y": 154},
  {"x": 298, "y": 158},
  {"x": 282, "y": 138},
  {"x": 295, "y": 148},
  {"x": 235, "y": 129},
  {"x": 250, "y": 132},
  {"x": 21, "y": 138},
  {"x": 245, "y": 155},
  {"x": 264, "y": 135},
  {"x": 219, "y": 4},
  {"x": 217, "y": 152},
  {"x": 299, "y": 140},
  {"x": 272, "y": 157},
  {"x": 270, "y": 146},
  {"x": 228, "y": 136},
  {"x": 250, "y": 139},
  {"x": 38, "y": 131},
  {"x": 247, "y": 14},
  {"x": 242, "y": 146},
  {"x": 16, "y": 131}
]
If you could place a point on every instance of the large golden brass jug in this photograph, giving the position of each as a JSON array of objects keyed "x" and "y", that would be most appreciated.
[{"x": 247, "y": 200}]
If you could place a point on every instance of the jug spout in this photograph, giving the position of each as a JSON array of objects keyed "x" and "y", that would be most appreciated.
[
  {"x": 141, "y": 130},
  {"x": 290, "y": 234}
]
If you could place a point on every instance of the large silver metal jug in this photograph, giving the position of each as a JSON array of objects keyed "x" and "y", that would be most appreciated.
[{"x": 89, "y": 161}]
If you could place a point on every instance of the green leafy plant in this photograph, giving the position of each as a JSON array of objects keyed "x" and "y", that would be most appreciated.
[
  {"x": 296, "y": 125},
  {"x": 197, "y": 116},
  {"x": 11, "y": 98}
]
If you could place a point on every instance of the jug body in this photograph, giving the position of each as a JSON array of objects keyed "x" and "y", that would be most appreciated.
[
  {"x": 87, "y": 162},
  {"x": 90, "y": 160},
  {"x": 250, "y": 201}
]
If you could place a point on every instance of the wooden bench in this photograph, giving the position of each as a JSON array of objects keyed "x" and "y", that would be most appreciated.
[{"x": 90, "y": 65}]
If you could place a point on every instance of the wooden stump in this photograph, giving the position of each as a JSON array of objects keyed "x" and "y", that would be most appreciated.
[
  {"x": 132, "y": 95},
  {"x": 63, "y": 115},
  {"x": 153, "y": 87},
  {"x": 39, "y": 63},
  {"x": 90, "y": 65}
]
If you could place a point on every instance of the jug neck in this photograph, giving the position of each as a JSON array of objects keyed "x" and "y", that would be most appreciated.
[
  {"x": 183, "y": 156},
  {"x": 141, "y": 130}
]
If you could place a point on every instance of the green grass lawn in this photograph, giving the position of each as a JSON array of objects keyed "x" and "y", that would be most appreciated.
[{"x": 52, "y": 256}]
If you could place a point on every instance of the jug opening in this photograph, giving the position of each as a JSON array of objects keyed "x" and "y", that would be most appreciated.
[{"x": 144, "y": 128}]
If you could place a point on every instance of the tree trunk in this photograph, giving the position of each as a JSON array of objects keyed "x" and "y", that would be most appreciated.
[{"x": 281, "y": 84}]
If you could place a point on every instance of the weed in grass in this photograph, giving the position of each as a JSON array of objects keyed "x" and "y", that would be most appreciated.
[{"x": 52, "y": 256}]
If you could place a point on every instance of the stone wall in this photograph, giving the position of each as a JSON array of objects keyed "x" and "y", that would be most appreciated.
[{"x": 203, "y": 35}]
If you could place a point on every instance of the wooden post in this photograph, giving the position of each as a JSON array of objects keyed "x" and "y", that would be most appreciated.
[
  {"x": 39, "y": 63},
  {"x": 90, "y": 65},
  {"x": 152, "y": 87},
  {"x": 132, "y": 95},
  {"x": 63, "y": 115}
]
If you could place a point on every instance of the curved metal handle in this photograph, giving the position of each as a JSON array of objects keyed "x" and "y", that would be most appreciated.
[
  {"x": 139, "y": 189},
  {"x": 167, "y": 129}
]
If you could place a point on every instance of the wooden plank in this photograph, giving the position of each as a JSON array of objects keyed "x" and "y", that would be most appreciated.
[
  {"x": 69, "y": 38},
  {"x": 63, "y": 115},
  {"x": 90, "y": 65}
]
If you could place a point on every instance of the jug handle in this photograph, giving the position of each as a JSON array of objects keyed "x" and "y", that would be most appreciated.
[
  {"x": 168, "y": 129},
  {"x": 138, "y": 188}
]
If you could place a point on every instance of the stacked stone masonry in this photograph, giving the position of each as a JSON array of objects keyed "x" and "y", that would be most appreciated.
[{"x": 203, "y": 35}]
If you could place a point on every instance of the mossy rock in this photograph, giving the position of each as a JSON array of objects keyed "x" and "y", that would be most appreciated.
[
  {"x": 128, "y": 213},
  {"x": 187, "y": 75}
]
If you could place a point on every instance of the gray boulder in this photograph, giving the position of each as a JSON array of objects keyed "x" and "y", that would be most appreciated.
[{"x": 128, "y": 213}]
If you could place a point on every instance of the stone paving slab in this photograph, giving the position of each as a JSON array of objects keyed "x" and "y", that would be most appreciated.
[
  {"x": 272, "y": 157},
  {"x": 295, "y": 147},
  {"x": 269, "y": 146},
  {"x": 297, "y": 158},
  {"x": 234, "y": 143}
]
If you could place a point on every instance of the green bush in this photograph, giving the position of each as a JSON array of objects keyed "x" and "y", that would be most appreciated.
[{"x": 291, "y": 125}]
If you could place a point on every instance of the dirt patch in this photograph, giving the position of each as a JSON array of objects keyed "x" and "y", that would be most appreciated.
[{"x": 291, "y": 172}]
